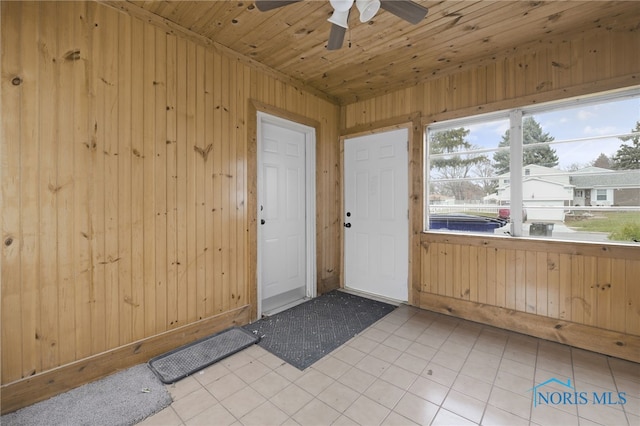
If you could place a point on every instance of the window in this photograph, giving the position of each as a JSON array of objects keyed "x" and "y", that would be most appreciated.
[{"x": 577, "y": 162}]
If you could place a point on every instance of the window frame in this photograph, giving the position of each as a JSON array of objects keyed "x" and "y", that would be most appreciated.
[{"x": 516, "y": 147}]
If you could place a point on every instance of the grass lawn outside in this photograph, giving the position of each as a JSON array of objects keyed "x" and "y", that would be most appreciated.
[{"x": 621, "y": 226}]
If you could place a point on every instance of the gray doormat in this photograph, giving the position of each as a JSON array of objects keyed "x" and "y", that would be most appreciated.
[
  {"x": 124, "y": 398},
  {"x": 186, "y": 360},
  {"x": 305, "y": 333}
]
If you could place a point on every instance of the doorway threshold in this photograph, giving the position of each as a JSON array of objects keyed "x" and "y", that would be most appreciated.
[
  {"x": 284, "y": 307},
  {"x": 372, "y": 296}
]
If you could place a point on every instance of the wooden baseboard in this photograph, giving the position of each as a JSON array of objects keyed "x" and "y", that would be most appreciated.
[
  {"x": 619, "y": 345},
  {"x": 42, "y": 386}
]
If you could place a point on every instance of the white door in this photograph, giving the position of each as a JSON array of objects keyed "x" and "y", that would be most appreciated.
[
  {"x": 283, "y": 230},
  {"x": 376, "y": 214}
]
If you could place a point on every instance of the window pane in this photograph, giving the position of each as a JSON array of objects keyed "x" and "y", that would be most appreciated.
[
  {"x": 580, "y": 176},
  {"x": 581, "y": 167},
  {"x": 463, "y": 181}
]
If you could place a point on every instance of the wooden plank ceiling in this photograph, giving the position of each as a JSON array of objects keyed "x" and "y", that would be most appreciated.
[{"x": 388, "y": 53}]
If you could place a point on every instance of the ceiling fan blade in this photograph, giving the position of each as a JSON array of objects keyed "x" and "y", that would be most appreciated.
[
  {"x": 265, "y": 5},
  {"x": 407, "y": 10},
  {"x": 336, "y": 37}
]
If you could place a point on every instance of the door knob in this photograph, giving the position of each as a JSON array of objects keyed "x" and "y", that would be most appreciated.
[{"x": 347, "y": 225}]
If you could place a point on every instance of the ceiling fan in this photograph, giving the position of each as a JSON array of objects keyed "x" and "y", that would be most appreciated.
[{"x": 407, "y": 10}]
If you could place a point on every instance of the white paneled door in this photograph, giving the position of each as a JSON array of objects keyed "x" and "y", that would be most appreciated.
[
  {"x": 376, "y": 215},
  {"x": 283, "y": 215}
]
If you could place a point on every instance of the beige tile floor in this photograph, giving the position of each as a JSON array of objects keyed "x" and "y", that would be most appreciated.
[{"x": 412, "y": 367}]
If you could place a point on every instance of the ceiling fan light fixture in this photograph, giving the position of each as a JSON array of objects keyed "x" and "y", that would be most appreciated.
[
  {"x": 407, "y": 10},
  {"x": 367, "y": 9},
  {"x": 340, "y": 18},
  {"x": 341, "y": 5}
]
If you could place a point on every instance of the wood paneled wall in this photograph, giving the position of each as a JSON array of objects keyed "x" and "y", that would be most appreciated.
[
  {"x": 585, "y": 295},
  {"x": 576, "y": 293},
  {"x": 125, "y": 167},
  {"x": 599, "y": 60}
]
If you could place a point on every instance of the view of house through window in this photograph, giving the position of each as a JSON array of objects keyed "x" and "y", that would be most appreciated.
[{"x": 577, "y": 164}]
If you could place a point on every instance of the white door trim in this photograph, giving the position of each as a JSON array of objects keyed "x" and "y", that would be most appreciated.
[{"x": 310, "y": 200}]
